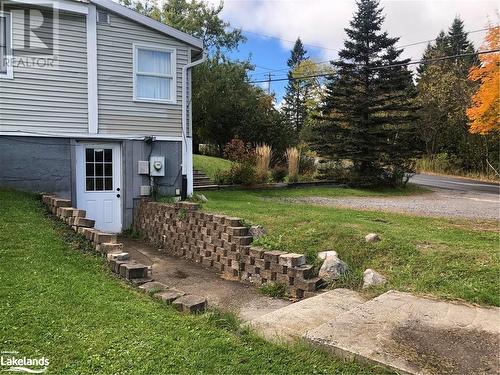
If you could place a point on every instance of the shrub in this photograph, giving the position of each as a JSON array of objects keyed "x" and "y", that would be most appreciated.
[
  {"x": 307, "y": 165},
  {"x": 220, "y": 177},
  {"x": 240, "y": 174},
  {"x": 238, "y": 151},
  {"x": 263, "y": 159},
  {"x": 279, "y": 173},
  {"x": 292, "y": 155},
  {"x": 333, "y": 171}
]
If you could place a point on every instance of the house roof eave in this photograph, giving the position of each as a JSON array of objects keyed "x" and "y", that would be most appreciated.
[{"x": 149, "y": 22}]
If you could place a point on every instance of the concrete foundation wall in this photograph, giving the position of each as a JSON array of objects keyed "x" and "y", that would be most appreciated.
[
  {"x": 36, "y": 164},
  {"x": 40, "y": 164}
]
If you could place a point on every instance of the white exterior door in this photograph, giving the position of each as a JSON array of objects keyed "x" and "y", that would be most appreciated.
[{"x": 98, "y": 184}]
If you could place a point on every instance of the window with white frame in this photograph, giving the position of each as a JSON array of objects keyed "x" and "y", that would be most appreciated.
[
  {"x": 5, "y": 45},
  {"x": 154, "y": 74}
]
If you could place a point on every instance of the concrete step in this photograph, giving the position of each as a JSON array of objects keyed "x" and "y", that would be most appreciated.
[
  {"x": 296, "y": 319},
  {"x": 202, "y": 183},
  {"x": 190, "y": 304},
  {"x": 132, "y": 270},
  {"x": 169, "y": 295},
  {"x": 207, "y": 187},
  {"x": 201, "y": 179},
  {"x": 415, "y": 335}
]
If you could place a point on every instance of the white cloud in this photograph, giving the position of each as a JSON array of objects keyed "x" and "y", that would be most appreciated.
[{"x": 322, "y": 22}]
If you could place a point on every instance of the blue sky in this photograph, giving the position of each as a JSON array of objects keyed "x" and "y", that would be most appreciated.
[
  {"x": 322, "y": 23},
  {"x": 267, "y": 55}
]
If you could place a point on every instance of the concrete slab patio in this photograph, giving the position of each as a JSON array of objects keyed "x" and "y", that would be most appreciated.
[
  {"x": 416, "y": 335},
  {"x": 192, "y": 278},
  {"x": 403, "y": 332},
  {"x": 296, "y": 319}
]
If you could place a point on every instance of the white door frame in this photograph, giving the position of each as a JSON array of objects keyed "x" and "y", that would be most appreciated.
[{"x": 117, "y": 189}]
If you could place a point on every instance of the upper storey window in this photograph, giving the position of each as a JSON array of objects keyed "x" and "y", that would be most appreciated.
[{"x": 154, "y": 74}]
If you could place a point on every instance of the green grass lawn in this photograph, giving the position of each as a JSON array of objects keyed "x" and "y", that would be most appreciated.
[
  {"x": 64, "y": 304},
  {"x": 210, "y": 165},
  {"x": 453, "y": 259}
]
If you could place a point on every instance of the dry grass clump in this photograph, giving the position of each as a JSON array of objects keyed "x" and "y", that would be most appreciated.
[
  {"x": 293, "y": 156},
  {"x": 263, "y": 154}
]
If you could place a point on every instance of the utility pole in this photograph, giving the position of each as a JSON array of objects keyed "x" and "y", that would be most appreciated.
[{"x": 269, "y": 75}]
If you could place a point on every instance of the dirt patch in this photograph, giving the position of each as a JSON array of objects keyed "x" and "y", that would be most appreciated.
[
  {"x": 180, "y": 274},
  {"x": 447, "y": 351}
]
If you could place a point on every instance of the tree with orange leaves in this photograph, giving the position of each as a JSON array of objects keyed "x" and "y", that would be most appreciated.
[{"x": 484, "y": 112}]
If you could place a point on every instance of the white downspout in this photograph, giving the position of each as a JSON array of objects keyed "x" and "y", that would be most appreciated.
[{"x": 187, "y": 142}]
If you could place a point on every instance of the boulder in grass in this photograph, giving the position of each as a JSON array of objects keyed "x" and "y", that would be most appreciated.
[
  {"x": 201, "y": 198},
  {"x": 372, "y": 237},
  {"x": 372, "y": 278},
  {"x": 333, "y": 268}
]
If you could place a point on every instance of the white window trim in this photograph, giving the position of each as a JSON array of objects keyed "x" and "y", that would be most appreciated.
[
  {"x": 10, "y": 70},
  {"x": 173, "y": 88}
]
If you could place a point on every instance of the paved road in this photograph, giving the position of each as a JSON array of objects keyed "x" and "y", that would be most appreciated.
[{"x": 457, "y": 184}]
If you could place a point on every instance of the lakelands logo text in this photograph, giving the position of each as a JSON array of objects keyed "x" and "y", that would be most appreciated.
[{"x": 17, "y": 363}]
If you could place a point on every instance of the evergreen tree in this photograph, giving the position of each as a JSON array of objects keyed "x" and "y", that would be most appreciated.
[
  {"x": 432, "y": 51},
  {"x": 296, "y": 91},
  {"x": 457, "y": 44},
  {"x": 444, "y": 93},
  {"x": 367, "y": 115}
]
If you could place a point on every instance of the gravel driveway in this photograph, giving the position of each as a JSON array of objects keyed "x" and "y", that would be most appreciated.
[{"x": 439, "y": 203}]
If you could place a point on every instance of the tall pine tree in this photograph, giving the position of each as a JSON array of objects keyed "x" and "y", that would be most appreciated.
[
  {"x": 296, "y": 91},
  {"x": 444, "y": 93},
  {"x": 458, "y": 43},
  {"x": 367, "y": 116}
]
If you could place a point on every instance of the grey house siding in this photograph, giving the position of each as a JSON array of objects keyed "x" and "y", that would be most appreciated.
[
  {"x": 118, "y": 113},
  {"x": 49, "y": 100},
  {"x": 132, "y": 152},
  {"x": 36, "y": 164}
]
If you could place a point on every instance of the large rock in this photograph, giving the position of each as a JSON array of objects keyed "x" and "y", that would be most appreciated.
[
  {"x": 201, "y": 198},
  {"x": 372, "y": 278},
  {"x": 333, "y": 268},
  {"x": 372, "y": 237},
  {"x": 257, "y": 231}
]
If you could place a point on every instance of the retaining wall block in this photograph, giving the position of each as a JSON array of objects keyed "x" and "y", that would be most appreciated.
[{"x": 222, "y": 243}]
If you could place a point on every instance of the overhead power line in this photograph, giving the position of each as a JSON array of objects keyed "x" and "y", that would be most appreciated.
[
  {"x": 427, "y": 61},
  {"x": 326, "y": 61}
]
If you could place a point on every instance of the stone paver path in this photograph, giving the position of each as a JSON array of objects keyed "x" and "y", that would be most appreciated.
[{"x": 244, "y": 300}]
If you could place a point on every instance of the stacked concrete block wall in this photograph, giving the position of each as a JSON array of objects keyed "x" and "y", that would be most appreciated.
[
  {"x": 104, "y": 243},
  {"x": 118, "y": 260},
  {"x": 223, "y": 243}
]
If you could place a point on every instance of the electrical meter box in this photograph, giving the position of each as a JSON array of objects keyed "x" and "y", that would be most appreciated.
[
  {"x": 143, "y": 167},
  {"x": 157, "y": 166}
]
